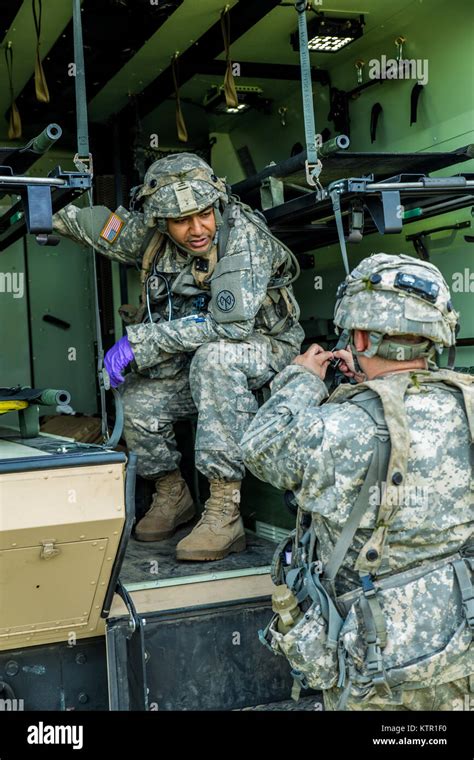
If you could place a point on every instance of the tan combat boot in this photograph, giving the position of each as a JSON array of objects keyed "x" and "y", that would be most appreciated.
[
  {"x": 172, "y": 506},
  {"x": 220, "y": 530}
]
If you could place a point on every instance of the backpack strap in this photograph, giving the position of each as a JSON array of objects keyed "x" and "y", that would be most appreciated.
[
  {"x": 154, "y": 248},
  {"x": 392, "y": 394},
  {"x": 320, "y": 596},
  {"x": 370, "y": 402},
  {"x": 228, "y": 221},
  {"x": 374, "y": 621}
]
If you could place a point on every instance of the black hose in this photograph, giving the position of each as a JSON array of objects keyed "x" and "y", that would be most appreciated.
[{"x": 7, "y": 689}]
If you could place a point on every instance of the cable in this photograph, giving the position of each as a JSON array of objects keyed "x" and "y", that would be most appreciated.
[
  {"x": 148, "y": 302},
  {"x": 168, "y": 293},
  {"x": 5, "y": 687},
  {"x": 98, "y": 332}
]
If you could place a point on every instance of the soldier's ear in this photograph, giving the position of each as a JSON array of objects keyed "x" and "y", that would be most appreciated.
[{"x": 361, "y": 340}]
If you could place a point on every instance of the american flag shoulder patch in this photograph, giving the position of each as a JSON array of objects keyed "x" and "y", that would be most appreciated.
[{"x": 112, "y": 228}]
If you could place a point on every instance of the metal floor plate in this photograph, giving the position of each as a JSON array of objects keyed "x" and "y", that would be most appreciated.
[{"x": 147, "y": 562}]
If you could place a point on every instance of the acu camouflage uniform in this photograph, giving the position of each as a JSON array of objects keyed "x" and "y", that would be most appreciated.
[
  {"x": 322, "y": 452},
  {"x": 216, "y": 347}
]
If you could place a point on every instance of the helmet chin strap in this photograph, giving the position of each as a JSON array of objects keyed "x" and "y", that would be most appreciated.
[
  {"x": 392, "y": 350},
  {"x": 355, "y": 355},
  {"x": 375, "y": 341}
]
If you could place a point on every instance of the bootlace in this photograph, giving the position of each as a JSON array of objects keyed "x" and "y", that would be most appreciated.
[{"x": 211, "y": 513}]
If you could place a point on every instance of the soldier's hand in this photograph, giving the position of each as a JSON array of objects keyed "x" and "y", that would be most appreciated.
[
  {"x": 117, "y": 359},
  {"x": 316, "y": 359},
  {"x": 346, "y": 365}
]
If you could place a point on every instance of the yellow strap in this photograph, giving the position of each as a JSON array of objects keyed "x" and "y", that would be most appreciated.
[
  {"x": 289, "y": 303},
  {"x": 41, "y": 88},
  {"x": 150, "y": 252},
  {"x": 231, "y": 98},
  {"x": 14, "y": 124},
  {"x": 12, "y": 406},
  {"x": 180, "y": 124}
]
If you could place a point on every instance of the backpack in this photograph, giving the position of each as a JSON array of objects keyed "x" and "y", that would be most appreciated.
[{"x": 403, "y": 630}]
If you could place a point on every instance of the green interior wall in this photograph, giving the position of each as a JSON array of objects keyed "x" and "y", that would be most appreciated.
[
  {"x": 443, "y": 36},
  {"x": 14, "y": 354},
  {"x": 437, "y": 32},
  {"x": 58, "y": 281},
  {"x": 445, "y": 121}
]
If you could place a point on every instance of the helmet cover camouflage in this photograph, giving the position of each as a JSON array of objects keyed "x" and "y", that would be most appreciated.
[
  {"x": 396, "y": 295},
  {"x": 177, "y": 186}
]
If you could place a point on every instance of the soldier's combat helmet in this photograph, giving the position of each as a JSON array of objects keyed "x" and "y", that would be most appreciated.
[
  {"x": 392, "y": 296},
  {"x": 177, "y": 186}
]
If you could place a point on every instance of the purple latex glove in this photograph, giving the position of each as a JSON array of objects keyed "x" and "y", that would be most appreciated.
[{"x": 116, "y": 359}]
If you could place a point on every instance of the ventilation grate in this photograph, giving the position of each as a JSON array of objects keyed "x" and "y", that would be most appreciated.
[{"x": 270, "y": 532}]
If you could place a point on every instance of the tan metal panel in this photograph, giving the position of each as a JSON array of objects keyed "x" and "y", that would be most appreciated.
[
  {"x": 59, "y": 534},
  {"x": 71, "y": 504},
  {"x": 37, "y": 591}
]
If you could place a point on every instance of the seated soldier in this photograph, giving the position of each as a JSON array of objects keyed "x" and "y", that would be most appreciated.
[{"x": 218, "y": 319}]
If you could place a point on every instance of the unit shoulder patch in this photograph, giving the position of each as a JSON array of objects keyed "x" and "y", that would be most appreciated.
[
  {"x": 112, "y": 228},
  {"x": 225, "y": 300}
]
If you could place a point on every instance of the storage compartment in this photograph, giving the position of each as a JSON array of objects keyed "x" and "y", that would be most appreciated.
[
  {"x": 61, "y": 520},
  {"x": 35, "y": 591}
]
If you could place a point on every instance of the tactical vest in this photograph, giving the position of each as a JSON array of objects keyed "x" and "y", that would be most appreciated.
[
  {"x": 353, "y": 640},
  {"x": 279, "y": 309}
]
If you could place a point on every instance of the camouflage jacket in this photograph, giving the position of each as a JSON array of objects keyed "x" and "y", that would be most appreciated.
[
  {"x": 240, "y": 297},
  {"x": 321, "y": 452}
]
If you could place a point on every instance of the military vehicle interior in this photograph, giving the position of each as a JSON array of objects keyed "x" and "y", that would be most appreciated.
[{"x": 396, "y": 151}]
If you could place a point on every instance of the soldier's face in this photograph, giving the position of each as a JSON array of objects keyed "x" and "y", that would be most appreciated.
[{"x": 195, "y": 232}]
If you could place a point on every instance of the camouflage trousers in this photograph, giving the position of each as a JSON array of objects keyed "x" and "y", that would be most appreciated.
[
  {"x": 455, "y": 695},
  {"x": 213, "y": 385}
]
